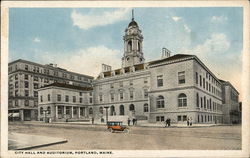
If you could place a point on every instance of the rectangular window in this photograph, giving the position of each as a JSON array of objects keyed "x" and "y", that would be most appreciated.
[
  {"x": 16, "y": 92},
  {"x": 145, "y": 80},
  {"x": 58, "y": 97},
  {"x": 131, "y": 95},
  {"x": 80, "y": 100},
  {"x": 160, "y": 81},
  {"x": 196, "y": 78},
  {"x": 26, "y": 77},
  {"x": 181, "y": 77},
  {"x": 26, "y": 84},
  {"x": 48, "y": 97},
  {"x": 90, "y": 100},
  {"x": 201, "y": 102},
  {"x": 75, "y": 110},
  {"x": 55, "y": 73},
  {"x": 184, "y": 117},
  {"x": 157, "y": 118},
  {"x": 100, "y": 98},
  {"x": 162, "y": 119},
  {"x": 35, "y": 85},
  {"x": 179, "y": 118},
  {"x": 35, "y": 78},
  {"x": 26, "y": 67},
  {"x": 200, "y": 81},
  {"x": 26, "y": 102},
  {"x": 204, "y": 83},
  {"x": 90, "y": 94},
  {"x": 16, "y": 77},
  {"x": 207, "y": 86},
  {"x": 66, "y": 98},
  {"x": 112, "y": 97},
  {"x": 80, "y": 93},
  {"x": 72, "y": 77},
  {"x": 121, "y": 95},
  {"x": 35, "y": 94},
  {"x": 41, "y": 98},
  {"x": 67, "y": 110},
  {"x": 16, "y": 84},
  {"x": 26, "y": 93},
  {"x": 145, "y": 93},
  {"x": 64, "y": 75},
  {"x": 74, "y": 99},
  {"x": 16, "y": 102}
]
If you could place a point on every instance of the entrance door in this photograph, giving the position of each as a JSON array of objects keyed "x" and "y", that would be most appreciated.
[{"x": 27, "y": 115}]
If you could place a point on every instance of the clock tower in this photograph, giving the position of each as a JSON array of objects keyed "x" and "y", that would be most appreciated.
[{"x": 132, "y": 45}]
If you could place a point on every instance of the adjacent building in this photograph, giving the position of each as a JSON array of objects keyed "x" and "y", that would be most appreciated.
[
  {"x": 231, "y": 105},
  {"x": 25, "y": 78},
  {"x": 60, "y": 101}
]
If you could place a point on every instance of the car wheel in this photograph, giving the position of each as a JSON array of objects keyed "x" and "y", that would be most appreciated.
[{"x": 111, "y": 130}]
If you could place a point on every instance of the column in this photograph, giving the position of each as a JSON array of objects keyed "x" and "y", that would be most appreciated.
[
  {"x": 56, "y": 111},
  {"x": 72, "y": 112},
  {"x": 79, "y": 112},
  {"x": 64, "y": 111}
]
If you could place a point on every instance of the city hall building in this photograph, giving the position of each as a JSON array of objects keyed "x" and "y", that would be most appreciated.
[{"x": 178, "y": 87}]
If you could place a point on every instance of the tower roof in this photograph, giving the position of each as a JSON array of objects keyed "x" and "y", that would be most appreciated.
[{"x": 133, "y": 22}]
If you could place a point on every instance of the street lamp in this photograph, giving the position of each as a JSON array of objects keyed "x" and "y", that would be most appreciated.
[{"x": 106, "y": 107}]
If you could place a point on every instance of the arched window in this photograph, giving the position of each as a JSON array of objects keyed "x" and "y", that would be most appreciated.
[
  {"x": 90, "y": 111},
  {"x": 41, "y": 110},
  {"x": 182, "y": 100},
  {"x": 112, "y": 110},
  {"x": 160, "y": 102},
  {"x": 131, "y": 107},
  {"x": 145, "y": 107},
  {"x": 197, "y": 99},
  {"x": 121, "y": 110},
  {"x": 49, "y": 110},
  {"x": 101, "y": 110},
  {"x": 129, "y": 45},
  {"x": 139, "y": 46}
]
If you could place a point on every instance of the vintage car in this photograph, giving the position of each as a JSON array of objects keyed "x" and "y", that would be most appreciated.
[{"x": 114, "y": 126}]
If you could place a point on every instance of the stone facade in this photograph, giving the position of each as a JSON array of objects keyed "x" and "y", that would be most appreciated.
[
  {"x": 59, "y": 102},
  {"x": 230, "y": 101},
  {"x": 25, "y": 78}
]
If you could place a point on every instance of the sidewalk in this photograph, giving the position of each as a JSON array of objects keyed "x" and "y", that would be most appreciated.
[
  {"x": 18, "y": 141},
  {"x": 139, "y": 124}
]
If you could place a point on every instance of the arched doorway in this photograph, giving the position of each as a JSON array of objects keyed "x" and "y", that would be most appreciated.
[
  {"x": 121, "y": 110},
  {"x": 112, "y": 110}
]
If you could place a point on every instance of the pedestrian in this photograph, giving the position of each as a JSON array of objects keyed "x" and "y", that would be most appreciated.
[
  {"x": 166, "y": 122},
  {"x": 93, "y": 120},
  {"x": 188, "y": 122},
  {"x": 133, "y": 121},
  {"x": 128, "y": 122},
  {"x": 169, "y": 122}
]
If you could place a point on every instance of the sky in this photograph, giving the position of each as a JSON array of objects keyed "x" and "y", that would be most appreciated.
[{"x": 81, "y": 39}]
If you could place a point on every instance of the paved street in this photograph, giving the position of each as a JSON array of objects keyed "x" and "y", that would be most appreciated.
[{"x": 86, "y": 137}]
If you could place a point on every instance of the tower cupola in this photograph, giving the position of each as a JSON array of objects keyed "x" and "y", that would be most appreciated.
[{"x": 132, "y": 44}]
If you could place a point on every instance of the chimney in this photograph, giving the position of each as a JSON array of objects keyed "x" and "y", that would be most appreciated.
[
  {"x": 165, "y": 53},
  {"x": 106, "y": 68}
]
